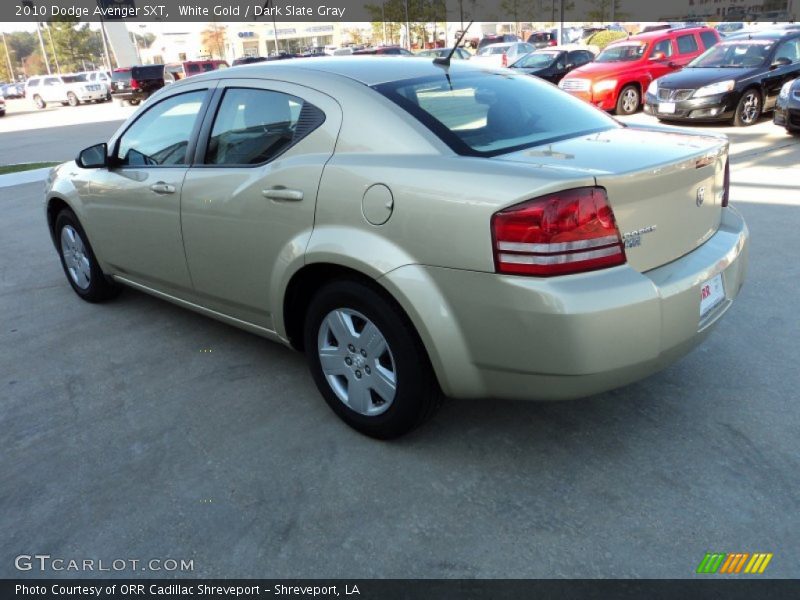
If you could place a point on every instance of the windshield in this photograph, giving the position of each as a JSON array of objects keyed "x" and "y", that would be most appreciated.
[
  {"x": 536, "y": 60},
  {"x": 493, "y": 50},
  {"x": 484, "y": 113},
  {"x": 745, "y": 53},
  {"x": 622, "y": 52},
  {"x": 73, "y": 78}
]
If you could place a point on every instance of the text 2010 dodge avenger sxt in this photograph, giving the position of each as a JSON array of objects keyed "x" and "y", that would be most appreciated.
[{"x": 415, "y": 229}]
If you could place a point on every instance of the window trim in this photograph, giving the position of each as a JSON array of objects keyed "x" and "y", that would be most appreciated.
[
  {"x": 204, "y": 135},
  {"x": 114, "y": 161}
]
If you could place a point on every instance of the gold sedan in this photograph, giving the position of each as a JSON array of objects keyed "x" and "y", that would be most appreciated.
[{"x": 417, "y": 229}]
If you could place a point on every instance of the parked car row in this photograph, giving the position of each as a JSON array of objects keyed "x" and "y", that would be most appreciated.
[{"x": 72, "y": 90}]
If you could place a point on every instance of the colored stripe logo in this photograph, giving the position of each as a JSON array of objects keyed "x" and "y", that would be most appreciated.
[{"x": 734, "y": 563}]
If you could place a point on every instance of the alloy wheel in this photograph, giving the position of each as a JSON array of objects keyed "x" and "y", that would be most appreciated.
[
  {"x": 75, "y": 257},
  {"x": 750, "y": 108},
  {"x": 357, "y": 362},
  {"x": 630, "y": 100}
]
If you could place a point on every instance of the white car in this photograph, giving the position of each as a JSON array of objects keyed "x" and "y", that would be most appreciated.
[
  {"x": 101, "y": 77},
  {"x": 501, "y": 55},
  {"x": 66, "y": 89}
]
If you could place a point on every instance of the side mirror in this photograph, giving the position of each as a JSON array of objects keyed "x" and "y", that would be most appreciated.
[
  {"x": 781, "y": 61},
  {"x": 93, "y": 157}
]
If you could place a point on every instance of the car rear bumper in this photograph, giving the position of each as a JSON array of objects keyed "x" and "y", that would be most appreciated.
[
  {"x": 720, "y": 107},
  {"x": 129, "y": 95},
  {"x": 494, "y": 336}
]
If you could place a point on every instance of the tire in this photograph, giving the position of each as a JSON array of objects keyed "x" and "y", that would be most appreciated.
[
  {"x": 78, "y": 261},
  {"x": 748, "y": 110},
  {"x": 72, "y": 99},
  {"x": 629, "y": 100},
  {"x": 385, "y": 389},
  {"x": 134, "y": 102},
  {"x": 40, "y": 104}
]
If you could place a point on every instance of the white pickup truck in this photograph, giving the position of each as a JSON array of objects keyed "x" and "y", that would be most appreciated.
[{"x": 66, "y": 89}]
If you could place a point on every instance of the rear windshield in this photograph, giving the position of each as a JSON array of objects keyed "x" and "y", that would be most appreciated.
[
  {"x": 148, "y": 72},
  {"x": 483, "y": 113},
  {"x": 121, "y": 75}
]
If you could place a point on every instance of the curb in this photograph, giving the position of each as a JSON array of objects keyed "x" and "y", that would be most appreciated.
[{"x": 23, "y": 177}]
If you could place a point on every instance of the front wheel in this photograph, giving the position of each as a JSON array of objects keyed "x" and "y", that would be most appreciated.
[
  {"x": 748, "y": 110},
  {"x": 78, "y": 261},
  {"x": 72, "y": 99},
  {"x": 368, "y": 361},
  {"x": 39, "y": 102},
  {"x": 629, "y": 100}
]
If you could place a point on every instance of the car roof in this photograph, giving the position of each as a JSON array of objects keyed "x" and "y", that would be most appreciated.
[
  {"x": 770, "y": 34},
  {"x": 665, "y": 33},
  {"x": 367, "y": 70}
]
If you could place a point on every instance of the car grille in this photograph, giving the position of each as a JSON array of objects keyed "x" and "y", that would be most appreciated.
[
  {"x": 575, "y": 85},
  {"x": 673, "y": 95},
  {"x": 794, "y": 119}
]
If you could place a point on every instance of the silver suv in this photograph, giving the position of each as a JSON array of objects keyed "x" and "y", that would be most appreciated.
[{"x": 67, "y": 89}]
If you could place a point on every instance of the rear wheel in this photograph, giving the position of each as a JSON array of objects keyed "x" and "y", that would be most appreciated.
[
  {"x": 368, "y": 361},
  {"x": 629, "y": 100},
  {"x": 748, "y": 110},
  {"x": 72, "y": 99},
  {"x": 37, "y": 100},
  {"x": 78, "y": 261}
]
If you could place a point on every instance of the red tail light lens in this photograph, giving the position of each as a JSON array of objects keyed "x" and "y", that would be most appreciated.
[
  {"x": 567, "y": 232},
  {"x": 726, "y": 184},
  {"x": 134, "y": 84},
  {"x": 505, "y": 59},
  {"x": 552, "y": 43}
]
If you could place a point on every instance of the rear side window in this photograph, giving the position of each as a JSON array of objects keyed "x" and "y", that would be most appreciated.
[
  {"x": 485, "y": 114},
  {"x": 161, "y": 135},
  {"x": 687, "y": 44},
  {"x": 254, "y": 126},
  {"x": 708, "y": 38},
  {"x": 33, "y": 83}
]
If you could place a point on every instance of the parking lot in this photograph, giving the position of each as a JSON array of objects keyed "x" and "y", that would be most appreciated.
[{"x": 139, "y": 430}]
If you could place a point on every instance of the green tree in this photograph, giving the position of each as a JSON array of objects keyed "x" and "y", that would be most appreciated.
[{"x": 73, "y": 43}]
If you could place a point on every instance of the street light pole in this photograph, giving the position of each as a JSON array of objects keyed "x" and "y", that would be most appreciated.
[
  {"x": 53, "y": 46},
  {"x": 8, "y": 58},
  {"x": 44, "y": 51}
]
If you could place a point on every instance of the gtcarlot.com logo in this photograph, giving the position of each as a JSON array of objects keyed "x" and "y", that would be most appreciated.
[
  {"x": 45, "y": 562},
  {"x": 734, "y": 563}
]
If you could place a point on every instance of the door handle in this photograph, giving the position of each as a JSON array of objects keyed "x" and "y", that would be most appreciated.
[
  {"x": 162, "y": 188},
  {"x": 283, "y": 194}
]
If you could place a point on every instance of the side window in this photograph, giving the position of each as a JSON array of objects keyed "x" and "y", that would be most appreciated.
[
  {"x": 160, "y": 136},
  {"x": 664, "y": 47},
  {"x": 789, "y": 49},
  {"x": 51, "y": 81},
  {"x": 33, "y": 83},
  {"x": 708, "y": 38},
  {"x": 687, "y": 44},
  {"x": 254, "y": 126}
]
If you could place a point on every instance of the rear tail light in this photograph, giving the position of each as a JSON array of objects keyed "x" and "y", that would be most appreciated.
[
  {"x": 726, "y": 183},
  {"x": 134, "y": 84},
  {"x": 505, "y": 59},
  {"x": 552, "y": 43},
  {"x": 567, "y": 232}
]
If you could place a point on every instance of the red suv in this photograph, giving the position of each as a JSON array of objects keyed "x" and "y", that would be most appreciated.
[{"x": 619, "y": 75}]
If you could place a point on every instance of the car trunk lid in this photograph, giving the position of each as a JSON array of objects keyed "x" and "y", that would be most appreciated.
[{"x": 665, "y": 187}]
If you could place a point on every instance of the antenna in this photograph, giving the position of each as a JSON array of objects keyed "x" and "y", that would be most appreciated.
[{"x": 445, "y": 61}]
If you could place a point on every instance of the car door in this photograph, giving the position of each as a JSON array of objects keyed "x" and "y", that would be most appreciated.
[
  {"x": 248, "y": 201},
  {"x": 776, "y": 76},
  {"x": 688, "y": 48},
  {"x": 133, "y": 208},
  {"x": 52, "y": 90}
]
